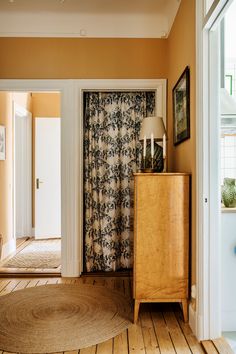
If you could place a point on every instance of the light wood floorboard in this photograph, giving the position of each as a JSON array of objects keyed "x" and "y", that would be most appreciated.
[
  {"x": 209, "y": 347},
  {"x": 162, "y": 333},
  {"x": 149, "y": 335},
  {"x": 160, "y": 329},
  {"x": 121, "y": 343},
  {"x": 222, "y": 346},
  {"x": 176, "y": 334},
  {"x": 90, "y": 350},
  {"x": 192, "y": 341}
]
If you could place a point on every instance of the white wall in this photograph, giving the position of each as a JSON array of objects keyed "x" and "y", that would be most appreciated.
[{"x": 97, "y": 18}]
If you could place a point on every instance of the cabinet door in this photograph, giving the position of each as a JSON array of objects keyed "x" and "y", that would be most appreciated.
[{"x": 161, "y": 238}]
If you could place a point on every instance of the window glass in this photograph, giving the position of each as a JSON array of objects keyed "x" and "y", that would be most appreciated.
[
  {"x": 228, "y": 95},
  {"x": 230, "y": 50}
]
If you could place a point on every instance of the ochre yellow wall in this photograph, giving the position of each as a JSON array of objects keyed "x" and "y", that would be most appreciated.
[
  {"x": 44, "y": 105},
  {"x": 181, "y": 52},
  {"x": 65, "y": 58}
]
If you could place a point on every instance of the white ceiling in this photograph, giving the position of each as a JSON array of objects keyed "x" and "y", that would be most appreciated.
[{"x": 90, "y": 18}]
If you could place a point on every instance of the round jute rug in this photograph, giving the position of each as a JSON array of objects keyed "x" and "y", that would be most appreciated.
[{"x": 56, "y": 318}]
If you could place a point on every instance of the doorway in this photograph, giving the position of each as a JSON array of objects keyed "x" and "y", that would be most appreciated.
[
  {"x": 228, "y": 174},
  {"x": 36, "y": 181},
  {"x": 112, "y": 153},
  {"x": 72, "y": 150},
  {"x": 158, "y": 87},
  {"x": 210, "y": 85}
]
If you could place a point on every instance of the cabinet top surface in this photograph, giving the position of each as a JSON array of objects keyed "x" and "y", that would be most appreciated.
[{"x": 162, "y": 174}]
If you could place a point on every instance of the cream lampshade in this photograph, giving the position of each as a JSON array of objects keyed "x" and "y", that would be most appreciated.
[{"x": 152, "y": 125}]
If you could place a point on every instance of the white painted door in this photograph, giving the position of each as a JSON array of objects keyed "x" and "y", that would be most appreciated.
[
  {"x": 22, "y": 172},
  {"x": 47, "y": 178}
]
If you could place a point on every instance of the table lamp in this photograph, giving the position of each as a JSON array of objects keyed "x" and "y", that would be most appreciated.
[{"x": 154, "y": 156}]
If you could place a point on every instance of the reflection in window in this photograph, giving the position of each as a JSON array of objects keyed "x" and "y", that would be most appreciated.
[
  {"x": 208, "y": 4},
  {"x": 228, "y": 155},
  {"x": 228, "y": 95}
]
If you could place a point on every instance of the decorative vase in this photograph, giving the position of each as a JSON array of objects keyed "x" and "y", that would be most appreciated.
[
  {"x": 157, "y": 164},
  {"x": 229, "y": 193}
]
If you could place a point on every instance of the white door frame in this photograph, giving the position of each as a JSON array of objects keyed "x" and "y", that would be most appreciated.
[
  {"x": 69, "y": 163},
  {"x": 72, "y": 150},
  {"x": 158, "y": 85},
  {"x": 17, "y": 109},
  {"x": 208, "y": 315}
]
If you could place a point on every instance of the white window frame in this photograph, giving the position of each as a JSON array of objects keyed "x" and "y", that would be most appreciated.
[{"x": 207, "y": 323}]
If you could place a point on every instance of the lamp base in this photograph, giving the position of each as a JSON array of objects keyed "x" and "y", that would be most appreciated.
[{"x": 153, "y": 163}]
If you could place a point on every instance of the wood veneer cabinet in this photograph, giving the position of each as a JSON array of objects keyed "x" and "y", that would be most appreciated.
[{"x": 161, "y": 239}]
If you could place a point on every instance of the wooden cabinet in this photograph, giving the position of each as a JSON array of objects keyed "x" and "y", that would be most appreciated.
[{"x": 161, "y": 239}]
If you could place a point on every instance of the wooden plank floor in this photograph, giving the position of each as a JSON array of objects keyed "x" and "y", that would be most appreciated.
[
  {"x": 160, "y": 329},
  {"x": 21, "y": 244},
  {"x": 216, "y": 346}
]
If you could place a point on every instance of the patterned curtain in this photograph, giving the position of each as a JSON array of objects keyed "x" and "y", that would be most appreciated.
[{"x": 112, "y": 152}]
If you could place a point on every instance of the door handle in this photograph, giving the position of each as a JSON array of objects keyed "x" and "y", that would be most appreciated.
[{"x": 38, "y": 182}]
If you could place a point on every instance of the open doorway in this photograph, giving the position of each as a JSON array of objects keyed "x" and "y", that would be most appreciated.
[
  {"x": 36, "y": 181},
  {"x": 71, "y": 93},
  {"x": 211, "y": 88}
]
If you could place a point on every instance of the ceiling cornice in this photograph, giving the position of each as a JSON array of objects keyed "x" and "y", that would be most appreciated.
[{"x": 92, "y": 19}]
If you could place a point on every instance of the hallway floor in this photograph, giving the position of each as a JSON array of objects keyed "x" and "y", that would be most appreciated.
[
  {"x": 37, "y": 254},
  {"x": 160, "y": 328}
]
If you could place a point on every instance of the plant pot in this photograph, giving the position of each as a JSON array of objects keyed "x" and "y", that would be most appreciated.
[{"x": 229, "y": 193}]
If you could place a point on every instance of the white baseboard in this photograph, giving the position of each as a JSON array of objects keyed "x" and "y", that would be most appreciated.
[
  {"x": 192, "y": 320},
  {"x": 8, "y": 248}
]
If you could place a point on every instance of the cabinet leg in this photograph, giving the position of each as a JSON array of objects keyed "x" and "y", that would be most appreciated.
[
  {"x": 136, "y": 310},
  {"x": 185, "y": 309}
]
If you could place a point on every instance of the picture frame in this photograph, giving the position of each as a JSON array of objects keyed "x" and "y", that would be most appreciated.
[
  {"x": 2, "y": 143},
  {"x": 181, "y": 108}
]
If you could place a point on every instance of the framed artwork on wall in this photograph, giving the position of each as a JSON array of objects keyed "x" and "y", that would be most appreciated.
[
  {"x": 181, "y": 108},
  {"x": 2, "y": 142}
]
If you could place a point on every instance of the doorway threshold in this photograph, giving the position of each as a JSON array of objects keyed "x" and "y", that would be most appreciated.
[
  {"x": 119, "y": 273},
  {"x": 29, "y": 275}
]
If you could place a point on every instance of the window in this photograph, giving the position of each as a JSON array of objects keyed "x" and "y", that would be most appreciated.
[
  {"x": 228, "y": 96},
  {"x": 228, "y": 154}
]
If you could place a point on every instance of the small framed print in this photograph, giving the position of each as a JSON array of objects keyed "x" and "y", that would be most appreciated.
[
  {"x": 2, "y": 142},
  {"x": 181, "y": 108}
]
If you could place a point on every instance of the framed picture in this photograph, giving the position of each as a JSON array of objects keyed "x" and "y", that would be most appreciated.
[
  {"x": 2, "y": 142},
  {"x": 181, "y": 108}
]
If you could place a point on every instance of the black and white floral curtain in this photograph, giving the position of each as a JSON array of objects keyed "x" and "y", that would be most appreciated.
[{"x": 112, "y": 152}]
